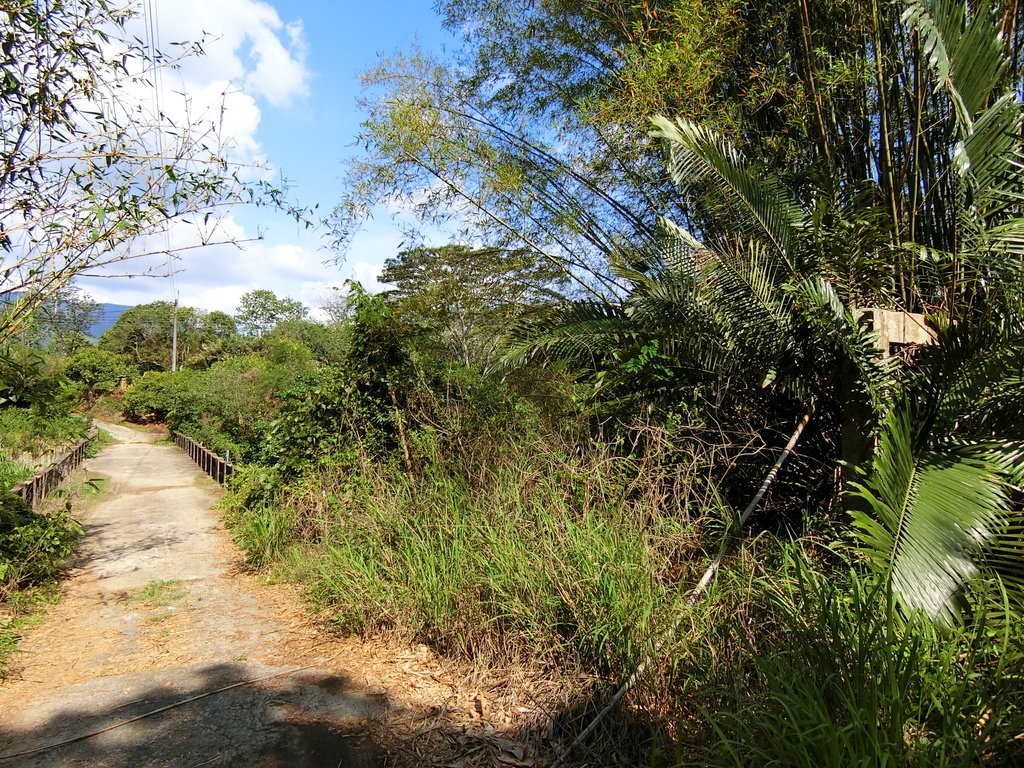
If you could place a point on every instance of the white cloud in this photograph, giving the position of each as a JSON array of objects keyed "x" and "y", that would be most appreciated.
[
  {"x": 368, "y": 273},
  {"x": 214, "y": 276},
  {"x": 245, "y": 42},
  {"x": 249, "y": 57},
  {"x": 252, "y": 61}
]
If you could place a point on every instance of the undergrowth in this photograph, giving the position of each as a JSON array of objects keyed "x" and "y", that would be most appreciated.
[
  {"x": 790, "y": 659},
  {"x": 544, "y": 556},
  {"x": 34, "y": 550},
  {"x": 812, "y": 667}
]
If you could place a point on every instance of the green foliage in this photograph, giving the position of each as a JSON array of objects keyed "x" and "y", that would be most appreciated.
[
  {"x": 259, "y": 525},
  {"x": 11, "y": 473},
  {"x": 33, "y": 547},
  {"x": 28, "y": 380},
  {"x": 937, "y": 515},
  {"x": 26, "y": 431},
  {"x": 326, "y": 344},
  {"x": 833, "y": 678},
  {"x": 147, "y": 398},
  {"x": 143, "y": 335},
  {"x": 317, "y": 416},
  {"x": 97, "y": 370},
  {"x": 467, "y": 296},
  {"x": 60, "y": 324},
  {"x": 531, "y": 557},
  {"x": 228, "y": 407},
  {"x": 261, "y": 310}
]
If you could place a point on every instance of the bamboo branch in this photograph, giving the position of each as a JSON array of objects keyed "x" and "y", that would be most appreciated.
[{"x": 712, "y": 569}]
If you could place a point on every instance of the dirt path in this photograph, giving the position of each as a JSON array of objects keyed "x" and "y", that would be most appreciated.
[
  {"x": 155, "y": 613},
  {"x": 191, "y": 661}
]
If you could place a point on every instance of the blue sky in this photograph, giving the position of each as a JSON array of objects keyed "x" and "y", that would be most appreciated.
[{"x": 284, "y": 76}]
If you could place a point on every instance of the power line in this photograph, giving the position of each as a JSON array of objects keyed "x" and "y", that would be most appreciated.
[{"x": 152, "y": 23}]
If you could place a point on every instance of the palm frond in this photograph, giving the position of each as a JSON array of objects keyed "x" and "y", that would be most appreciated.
[
  {"x": 843, "y": 336},
  {"x": 933, "y": 516},
  {"x": 698, "y": 155},
  {"x": 571, "y": 331},
  {"x": 969, "y": 384},
  {"x": 990, "y": 153},
  {"x": 965, "y": 52}
]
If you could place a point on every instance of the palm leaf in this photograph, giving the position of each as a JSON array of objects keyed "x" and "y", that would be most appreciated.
[
  {"x": 970, "y": 384},
  {"x": 990, "y": 153},
  {"x": 965, "y": 54},
  {"x": 568, "y": 332},
  {"x": 843, "y": 334},
  {"x": 934, "y": 514},
  {"x": 698, "y": 155}
]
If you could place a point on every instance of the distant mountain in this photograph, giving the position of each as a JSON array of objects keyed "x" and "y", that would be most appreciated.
[{"x": 107, "y": 316}]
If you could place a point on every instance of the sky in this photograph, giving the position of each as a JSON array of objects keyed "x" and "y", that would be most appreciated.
[{"x": 281, "y": 77}]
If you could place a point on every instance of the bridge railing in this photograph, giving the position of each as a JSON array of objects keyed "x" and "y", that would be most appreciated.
[
  {"x": 37, "y": 488},
  {"x": 217, "y": 467}
]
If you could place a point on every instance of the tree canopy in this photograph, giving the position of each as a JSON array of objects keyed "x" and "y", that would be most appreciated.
[
  {"x": 469, "y": 296},
  {"x": 143, "y": 335},
  {"x": 260, "y": 310}
]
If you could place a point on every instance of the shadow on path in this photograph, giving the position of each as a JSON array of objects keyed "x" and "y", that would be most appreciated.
[{"x": 310, "y": 718}]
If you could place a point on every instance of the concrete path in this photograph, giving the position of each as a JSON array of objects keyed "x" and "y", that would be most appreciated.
[{"x": 156, "y": 613}]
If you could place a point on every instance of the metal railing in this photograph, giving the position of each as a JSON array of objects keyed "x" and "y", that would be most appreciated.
[
  {"x": 37, "y": 488},
  {"x": 220, "y": 469}
]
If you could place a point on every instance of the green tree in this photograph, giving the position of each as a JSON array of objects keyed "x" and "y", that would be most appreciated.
[
  {"x": 438, "y": 150},
  {"x": 768, "y": 302},
  {"x": 260, "y": 310},
  {"x": 144, "y": 335},
  {"x": 97, "y": 369},
  {"x": 468, "y": 295},
  {"x": 62, "y": 322},
  {"x": 539, "y": 135}
]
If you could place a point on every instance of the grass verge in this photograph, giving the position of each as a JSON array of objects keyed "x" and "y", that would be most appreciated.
[{"x": 553, "y": 565}]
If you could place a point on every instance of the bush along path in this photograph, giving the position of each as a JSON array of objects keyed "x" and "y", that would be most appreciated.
[{"x": 163, "y": 653}]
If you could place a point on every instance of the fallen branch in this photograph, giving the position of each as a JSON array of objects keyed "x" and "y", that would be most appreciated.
[{"x": 712, "y": 569}]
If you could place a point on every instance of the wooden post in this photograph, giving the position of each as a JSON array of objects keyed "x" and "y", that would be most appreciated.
[{"x": 894, "y": 330}]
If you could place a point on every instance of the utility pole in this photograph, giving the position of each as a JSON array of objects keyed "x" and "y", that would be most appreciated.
[{"x": 174, "y": 337}]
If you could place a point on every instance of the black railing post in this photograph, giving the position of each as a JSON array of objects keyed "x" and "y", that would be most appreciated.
[
  {"x": 38, "y": 487},
  {"x": 219, "y": 469}
]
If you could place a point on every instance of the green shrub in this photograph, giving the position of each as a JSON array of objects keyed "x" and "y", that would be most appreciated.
[
  {"x": 147, "y": 399},
  {"x": 97, "y": 370},
  {"x": 33, "y": 547},
  {"x": 25, "y": 430},
  {"x": 28, "y": 380},
  {"x": 11, "y": 473}
]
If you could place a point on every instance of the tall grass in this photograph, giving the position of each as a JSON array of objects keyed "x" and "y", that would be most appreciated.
[
  {"x": 545, "y": 557},
  {"x": 518, "y": 550},
  {"x": 830, "y": 675}
]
